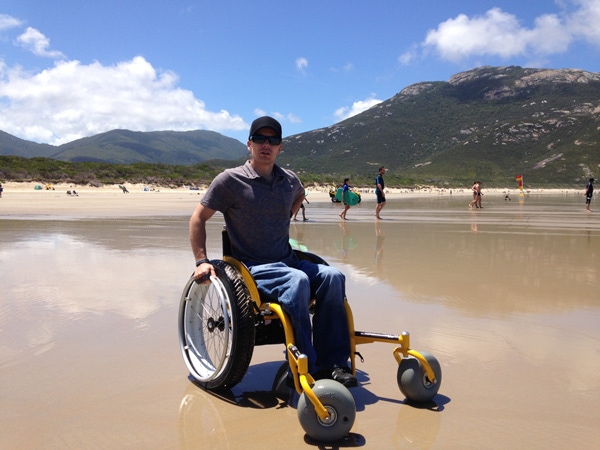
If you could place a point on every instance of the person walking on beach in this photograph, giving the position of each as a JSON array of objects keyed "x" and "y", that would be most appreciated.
[
  {"x": 302, "y": 208},
  {"x": 257, "y": 201},
  {"x": 1, "y": 189},
  {"x": 379, "y": 192},
  {"x": 589, "y": 191},
  {"x": 345, "y": 190},
  {"x": 476, "y": 188},
  {"x": 479, "y": 194}
]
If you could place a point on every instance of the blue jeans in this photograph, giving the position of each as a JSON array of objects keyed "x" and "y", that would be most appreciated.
[{"x": 293, "y": 288}]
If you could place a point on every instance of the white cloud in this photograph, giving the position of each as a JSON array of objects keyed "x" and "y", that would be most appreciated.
[
  {"x": 301, "y": 65},
  {"x": 584, "y": 22},
  {"x": 7, "y": 22},
  {"x": 407, "y": 57},
  {"x": 496, "y": 33},
  {"x": 345, "y": 112},
  {"x": 500, "y": 34},
  {"x": 289, "y": 117},
  {"x": 348, "y": 67},
  {"x": 37, "y": 43},
  {"x": 292, "y": 118},
  {"x": 72, "y": 100}
]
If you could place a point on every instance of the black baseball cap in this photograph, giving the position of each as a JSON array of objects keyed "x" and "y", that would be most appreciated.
[{"x": 265, "y": 122}]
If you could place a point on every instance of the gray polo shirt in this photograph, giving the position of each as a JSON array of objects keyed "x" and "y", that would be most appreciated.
[{"x": 256, "y": 212}]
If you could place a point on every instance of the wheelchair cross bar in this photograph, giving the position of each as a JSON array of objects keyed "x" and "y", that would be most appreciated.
[{"x": 365, "y": 337}]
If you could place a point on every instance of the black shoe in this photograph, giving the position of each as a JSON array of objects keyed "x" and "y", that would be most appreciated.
[
  {"x": 344, "y": 375},
  {"x": 322, "y": 374}
]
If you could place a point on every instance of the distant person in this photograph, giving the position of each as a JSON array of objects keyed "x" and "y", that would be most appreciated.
[
  {"x": 380, "y": 191},
  {"x": 1, "y": 189},
  {"x": 474, "y": 192},
  {"x": 479, "y": 194},
  {"x": 589, "y": 191},
  {"x": 476, "y": 188},
  {"x": 345, "y": 191},
  {"x": 302, "y": 208}
]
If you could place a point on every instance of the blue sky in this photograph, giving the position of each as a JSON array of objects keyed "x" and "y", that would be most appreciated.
[{"x": 73, "y": 68}]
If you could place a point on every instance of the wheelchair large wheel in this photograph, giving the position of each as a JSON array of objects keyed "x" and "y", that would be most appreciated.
[
  {"x": 216, "y": 328},
  {"x": 413, "y": 381},
  {"x": 338, "y": 401}
]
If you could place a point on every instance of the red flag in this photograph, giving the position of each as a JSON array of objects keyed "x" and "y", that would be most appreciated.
[{"x": 519, "y": 178}]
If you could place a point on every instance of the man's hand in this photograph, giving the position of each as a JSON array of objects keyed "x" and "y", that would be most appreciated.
[{"x": 203, "y": 273}]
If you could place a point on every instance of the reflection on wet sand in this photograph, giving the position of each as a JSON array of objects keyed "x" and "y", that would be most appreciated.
[
  {"x": 89, "y": 349},
  {"x": 379, "y": 241},
  {"x": 203, "y": 414}
]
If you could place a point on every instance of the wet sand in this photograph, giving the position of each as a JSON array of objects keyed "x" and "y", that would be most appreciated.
[{"x": 505, "y": 297}]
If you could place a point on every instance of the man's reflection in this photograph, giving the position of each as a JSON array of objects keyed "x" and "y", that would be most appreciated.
[
  {"x": 379, "y": 240},
  {"x": 298, "y": 242},
  {"x": 347, "y": 242}
]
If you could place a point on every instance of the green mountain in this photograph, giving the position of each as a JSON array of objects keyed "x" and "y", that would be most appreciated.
[
  {"x": 125, "y": 147},
  {"x": 11, "y": 145},
  {"x": 490, "y": 123}
]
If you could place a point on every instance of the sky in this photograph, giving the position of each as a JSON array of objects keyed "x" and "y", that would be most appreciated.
[{"x": 71, "y": 68}]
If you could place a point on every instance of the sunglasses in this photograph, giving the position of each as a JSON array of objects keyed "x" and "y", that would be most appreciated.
[{"x": 258, "y": 139}]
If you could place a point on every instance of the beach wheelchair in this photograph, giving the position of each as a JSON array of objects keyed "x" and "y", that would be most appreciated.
[{"x": 220, "y": 323}]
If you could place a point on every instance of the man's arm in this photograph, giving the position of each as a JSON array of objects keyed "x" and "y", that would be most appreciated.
[
  {"x": 380, "y": 188},
  {"x": 198, "y": 239}
]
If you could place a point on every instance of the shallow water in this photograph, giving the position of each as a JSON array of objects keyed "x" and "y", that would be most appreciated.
[{"x": 505, "y": 297}]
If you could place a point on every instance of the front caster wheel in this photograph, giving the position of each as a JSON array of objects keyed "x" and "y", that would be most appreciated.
[
  {"x": 413, "y": 381},
  {"x": 338, "y": 401}
]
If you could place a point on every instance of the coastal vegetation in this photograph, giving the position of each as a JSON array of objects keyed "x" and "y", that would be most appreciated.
[
  {"x": 50, "y": 171},
  {"x": 47, "y": 170}
]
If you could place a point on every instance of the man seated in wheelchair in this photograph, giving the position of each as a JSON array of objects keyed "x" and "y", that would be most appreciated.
[{"x": 257, "y": 201}]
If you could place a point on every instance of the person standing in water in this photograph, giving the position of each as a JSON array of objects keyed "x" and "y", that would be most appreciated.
[
  {"x": 302, "y": 208},
  {"x": 476, "y": 188},
  {"x": 589, "y": 191},
  {"x": 345, "y": 190},
  {"x": 380, "y": 191}
]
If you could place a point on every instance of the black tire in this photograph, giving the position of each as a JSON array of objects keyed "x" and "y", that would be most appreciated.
[
  {"x": 216, "y": 328},
  {"x": 413, "y": 381},
  {"x": 280, "y": 382}
]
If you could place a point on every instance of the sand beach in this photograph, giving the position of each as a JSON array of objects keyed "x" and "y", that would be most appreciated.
[{"x": 505, "y": 297}]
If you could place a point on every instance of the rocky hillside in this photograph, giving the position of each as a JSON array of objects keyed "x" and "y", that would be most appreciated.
[{"x": 490, "y": 123}]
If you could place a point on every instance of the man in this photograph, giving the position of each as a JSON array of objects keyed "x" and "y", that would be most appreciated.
[
  {"x": 479, "y": 194},
  {"x": 302, "y": 208},
  {"x": 589, "y": 191},
  {"x": 476, "y": 188},
  {"x": 379, "y": 191},
  {"x": 257, "y": 201}
]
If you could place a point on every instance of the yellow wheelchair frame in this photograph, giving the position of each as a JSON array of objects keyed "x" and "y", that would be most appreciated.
[{"x": 220, "y": 323}]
